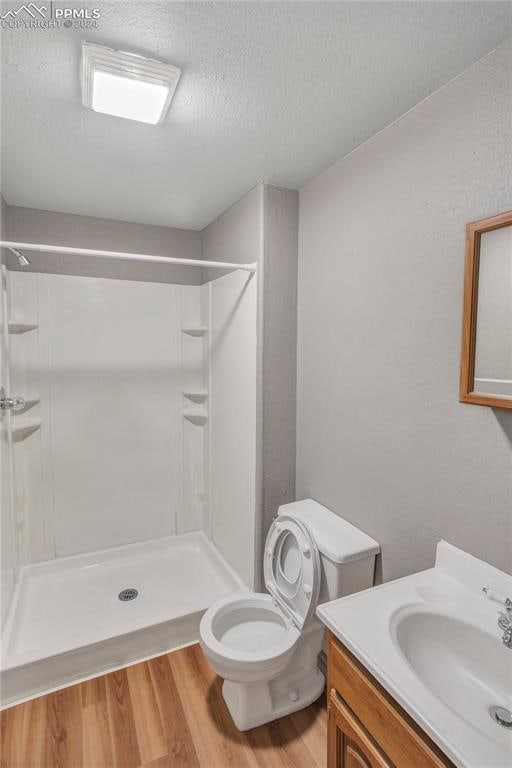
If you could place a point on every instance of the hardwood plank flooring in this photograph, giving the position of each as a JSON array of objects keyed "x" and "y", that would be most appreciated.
[{"x": 164, "y": 713}]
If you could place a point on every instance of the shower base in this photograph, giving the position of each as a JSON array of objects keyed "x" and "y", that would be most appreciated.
[{"x": 67, "y": 622}]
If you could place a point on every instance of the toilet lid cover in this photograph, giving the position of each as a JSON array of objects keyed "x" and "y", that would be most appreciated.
[{"x": 291, "y": 567}]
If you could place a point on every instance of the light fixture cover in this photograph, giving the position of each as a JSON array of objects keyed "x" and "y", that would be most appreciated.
[{"x": 126, "y": 84}]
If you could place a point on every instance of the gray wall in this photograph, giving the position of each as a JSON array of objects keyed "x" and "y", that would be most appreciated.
[
  {"x": 33, "y": 226},
  {"x": 3, "y": 218},
  {"x": 279, "y": 331},
  {"x": 382, "y": 438},
  {"x": 235, "y": 235}
]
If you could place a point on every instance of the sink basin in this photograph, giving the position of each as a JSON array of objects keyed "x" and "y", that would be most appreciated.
[
  {"x": 432, "y": 641},
  {"x": 463, "y": 666}
]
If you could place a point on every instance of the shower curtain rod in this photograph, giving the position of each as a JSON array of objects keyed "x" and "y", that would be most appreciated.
[{"x": 127, "y": 256}]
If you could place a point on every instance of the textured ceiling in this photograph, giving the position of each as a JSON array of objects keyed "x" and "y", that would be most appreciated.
[{"x": 270, "y": 91}]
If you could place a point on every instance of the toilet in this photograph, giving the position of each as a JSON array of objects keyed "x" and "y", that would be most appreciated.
[{"x": 265, "y": 645}]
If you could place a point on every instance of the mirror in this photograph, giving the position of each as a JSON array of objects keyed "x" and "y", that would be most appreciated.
[{"x": 486, "y": 360}]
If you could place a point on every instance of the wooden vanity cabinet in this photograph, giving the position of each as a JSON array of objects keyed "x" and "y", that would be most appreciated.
[
  {"x": 349, "y": 745},
  {"x": 366, "y": 727}
]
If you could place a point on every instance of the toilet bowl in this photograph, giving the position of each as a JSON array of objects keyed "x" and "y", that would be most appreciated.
[
  {"x": 266, "y": 646},
  {"x": 247, "y": 639}
]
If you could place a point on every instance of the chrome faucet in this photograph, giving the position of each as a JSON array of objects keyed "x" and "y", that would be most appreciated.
[{"x": 505, "y": 617}]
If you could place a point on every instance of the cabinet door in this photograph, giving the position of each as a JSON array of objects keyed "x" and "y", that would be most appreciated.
[{"x": 349, "y": 745}]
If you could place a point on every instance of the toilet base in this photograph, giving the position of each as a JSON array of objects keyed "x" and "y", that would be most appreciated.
[{"x": 259, "y": 703}]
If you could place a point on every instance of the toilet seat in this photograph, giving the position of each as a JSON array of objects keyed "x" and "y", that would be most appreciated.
[{"x": 291, "y": 568}]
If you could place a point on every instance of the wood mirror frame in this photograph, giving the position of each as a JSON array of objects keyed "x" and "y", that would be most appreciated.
[{"x": 474, "y": 230}]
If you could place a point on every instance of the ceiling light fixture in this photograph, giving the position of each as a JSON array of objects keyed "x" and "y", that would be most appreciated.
[{"x": 126, "y": 84}]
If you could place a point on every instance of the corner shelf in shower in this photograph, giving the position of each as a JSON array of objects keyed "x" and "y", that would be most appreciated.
[
  {"x": 19, "y": 327},
  {"x": 196, "y": 330},
  {"x": 22, "y": 428},
  {"x": 199, "y": 418},
  {"x": 196, "y": 395},
  {"x": 30, "y": 401}
]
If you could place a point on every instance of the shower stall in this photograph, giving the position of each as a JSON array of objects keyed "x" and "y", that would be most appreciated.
[{"x": 128, "y": 460}]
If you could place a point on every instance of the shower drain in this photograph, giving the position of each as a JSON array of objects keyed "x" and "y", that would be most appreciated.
[
  {"x": 128, "y": 594},
  {"x": 501, "y": 716}
]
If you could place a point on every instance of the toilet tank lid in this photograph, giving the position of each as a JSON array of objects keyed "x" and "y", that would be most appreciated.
[{"x": 336, "y": 538}]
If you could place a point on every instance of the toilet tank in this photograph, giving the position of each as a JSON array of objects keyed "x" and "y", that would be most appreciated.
[{"x": 347, "y": 554}]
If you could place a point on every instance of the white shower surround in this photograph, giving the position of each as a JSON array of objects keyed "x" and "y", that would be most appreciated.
[{"x": 110, "y": 365}]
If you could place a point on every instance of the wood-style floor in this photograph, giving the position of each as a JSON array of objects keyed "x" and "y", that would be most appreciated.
[{"x": 163, "y": 713}]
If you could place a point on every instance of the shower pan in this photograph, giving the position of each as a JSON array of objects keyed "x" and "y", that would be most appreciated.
[
  {"x": 128, "y": 494},
  {"x": 68, "y": 623}
]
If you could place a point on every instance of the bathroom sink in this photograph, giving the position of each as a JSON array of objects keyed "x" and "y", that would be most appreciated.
[
  {"x": 462, "y": 665},
  {"x": 432, "y": 641}
]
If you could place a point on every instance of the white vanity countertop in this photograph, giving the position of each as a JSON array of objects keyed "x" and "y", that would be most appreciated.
[{"x": 433, "y": 642}]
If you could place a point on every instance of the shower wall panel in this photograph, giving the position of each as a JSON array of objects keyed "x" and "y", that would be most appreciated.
[
  {"x": 113, "y": 462},
  {"x": 116, "y": 422},
  {"x": 232, "y": 466},
  {"x": 33, "y": 491},
  {"x": 8, "y": 553}
]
